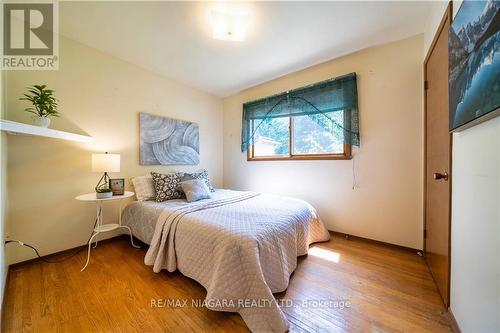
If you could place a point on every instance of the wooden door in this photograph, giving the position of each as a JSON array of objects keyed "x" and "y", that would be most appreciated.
[{"x": 438, "y": 160}]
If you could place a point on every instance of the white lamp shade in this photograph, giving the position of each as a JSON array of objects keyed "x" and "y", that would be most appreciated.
[{"x": 106, "y": 162}]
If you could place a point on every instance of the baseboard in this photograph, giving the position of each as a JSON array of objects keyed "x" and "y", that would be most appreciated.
[
  {"x": 57, "y": 254},
  {"x": 453, "y": 322},
  {"x": 368, "y": 240}
]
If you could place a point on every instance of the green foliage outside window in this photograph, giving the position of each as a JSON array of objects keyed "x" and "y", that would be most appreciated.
[{"x": 313, "y": 134}]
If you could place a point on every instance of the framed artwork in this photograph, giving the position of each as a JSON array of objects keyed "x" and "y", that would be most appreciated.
[
  {"x": 117, "y": 186},
  {"x": 474, "y": 64},
  {"x": 166, "y": 141}
]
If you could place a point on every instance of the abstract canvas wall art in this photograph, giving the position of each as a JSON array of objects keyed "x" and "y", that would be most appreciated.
[
  {"x": 474, "y": 63},
  {"x": 166, "y": 141}
]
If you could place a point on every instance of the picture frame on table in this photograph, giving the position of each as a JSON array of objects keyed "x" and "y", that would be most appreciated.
[{"x": 117, "y": 186}]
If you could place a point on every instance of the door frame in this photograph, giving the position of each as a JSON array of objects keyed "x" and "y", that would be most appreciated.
[{"x": 447, "y": 17}]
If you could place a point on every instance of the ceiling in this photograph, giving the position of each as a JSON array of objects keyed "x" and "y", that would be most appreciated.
[{"x": 173, "y": 39}]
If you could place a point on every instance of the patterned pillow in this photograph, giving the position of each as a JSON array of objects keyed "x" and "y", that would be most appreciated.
[
  {"x": 202, "y": 174},
  {"x": 166, "y": 186},
  {"x": 144, "y": 188}
]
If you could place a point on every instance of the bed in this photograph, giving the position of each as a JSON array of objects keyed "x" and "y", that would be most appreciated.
[{"x": 241, "y": 246}]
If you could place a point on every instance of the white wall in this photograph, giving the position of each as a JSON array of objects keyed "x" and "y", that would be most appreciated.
[
  {"x": 475, "y": 226},
  {"x": 475, "y": 259},
  {"x": 102, "y": 96},
  {"x": 387, "y": 204}
]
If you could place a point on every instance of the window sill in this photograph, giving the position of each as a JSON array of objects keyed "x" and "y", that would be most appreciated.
[
  {"x": 346, "y": 155},
  {"x": 301, "y": 158}
]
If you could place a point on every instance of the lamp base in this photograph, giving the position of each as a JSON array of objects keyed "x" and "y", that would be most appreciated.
[{"x": 103, "y": 182}]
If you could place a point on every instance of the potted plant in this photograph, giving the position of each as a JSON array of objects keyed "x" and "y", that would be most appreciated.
[
  {"x": 44, "y": 104},
  {"x": 103, "y": 193}
]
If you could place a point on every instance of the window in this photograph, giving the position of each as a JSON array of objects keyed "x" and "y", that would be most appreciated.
[
  {"x": 318, "y": 121},
  {"x": 299, "y": 137}
]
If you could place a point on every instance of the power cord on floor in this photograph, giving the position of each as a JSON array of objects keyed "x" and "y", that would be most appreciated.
[{"x": 60, "y": 260}]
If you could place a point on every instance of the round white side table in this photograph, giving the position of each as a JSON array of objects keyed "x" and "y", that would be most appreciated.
[{"x": 100, "y": 227}]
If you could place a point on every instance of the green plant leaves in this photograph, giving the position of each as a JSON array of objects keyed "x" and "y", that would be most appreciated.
[{"x": 43, "y": 100}]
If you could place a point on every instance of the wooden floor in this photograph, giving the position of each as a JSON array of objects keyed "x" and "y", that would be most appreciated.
[{"x": 387, "y": 289}]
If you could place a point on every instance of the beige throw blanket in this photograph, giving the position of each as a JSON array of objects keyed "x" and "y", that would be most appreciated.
[{"x": 241, "y": 246}]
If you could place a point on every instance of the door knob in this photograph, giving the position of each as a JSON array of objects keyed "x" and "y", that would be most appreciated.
[{"x": 439, "y": 176}]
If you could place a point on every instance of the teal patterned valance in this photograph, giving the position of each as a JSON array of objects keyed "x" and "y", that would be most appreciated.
[{"x": 321, "y": 101}]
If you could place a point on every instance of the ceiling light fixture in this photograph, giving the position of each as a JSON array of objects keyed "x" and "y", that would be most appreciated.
[{"x": 229, "y": 26}]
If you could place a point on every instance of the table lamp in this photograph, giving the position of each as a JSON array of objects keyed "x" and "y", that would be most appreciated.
[{"x": 105, "y": 163}]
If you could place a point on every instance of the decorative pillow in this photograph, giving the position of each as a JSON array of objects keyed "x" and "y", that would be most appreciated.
[
  {"x": 195, "y": 189},
  {"x": 144, "y": 188},
  {"x": 202, "y": 174},
  {"x": 166, "y": 186}
]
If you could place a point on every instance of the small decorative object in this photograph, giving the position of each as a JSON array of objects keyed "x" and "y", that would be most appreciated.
[
  {"x": 103, "y": 193},
  {"x": 166, "y": 141},
  {"x": 105, "y": 163},
  {"x": 117, "y": 186},
  {"x": 474, "y": 64},
  {"x": 44, "y": 105}
]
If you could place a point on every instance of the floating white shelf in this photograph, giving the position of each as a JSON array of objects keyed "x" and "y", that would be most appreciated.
[{"x": 13, "y": 127}]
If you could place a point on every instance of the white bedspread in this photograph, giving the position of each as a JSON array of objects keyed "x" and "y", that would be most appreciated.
[{"x": 241, "y": 246}]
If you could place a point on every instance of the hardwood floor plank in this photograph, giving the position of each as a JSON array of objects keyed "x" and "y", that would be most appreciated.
[{"x": 388, "y": 290}]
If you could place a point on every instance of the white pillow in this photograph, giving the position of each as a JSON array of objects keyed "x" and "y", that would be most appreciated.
[{"x": 144, "y": 188}]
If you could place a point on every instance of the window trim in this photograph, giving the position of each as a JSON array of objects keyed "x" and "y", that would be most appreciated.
[{"x": 346, "y": 155}]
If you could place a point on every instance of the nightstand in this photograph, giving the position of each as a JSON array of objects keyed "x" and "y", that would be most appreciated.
[{"x": 100, "y": 227}]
